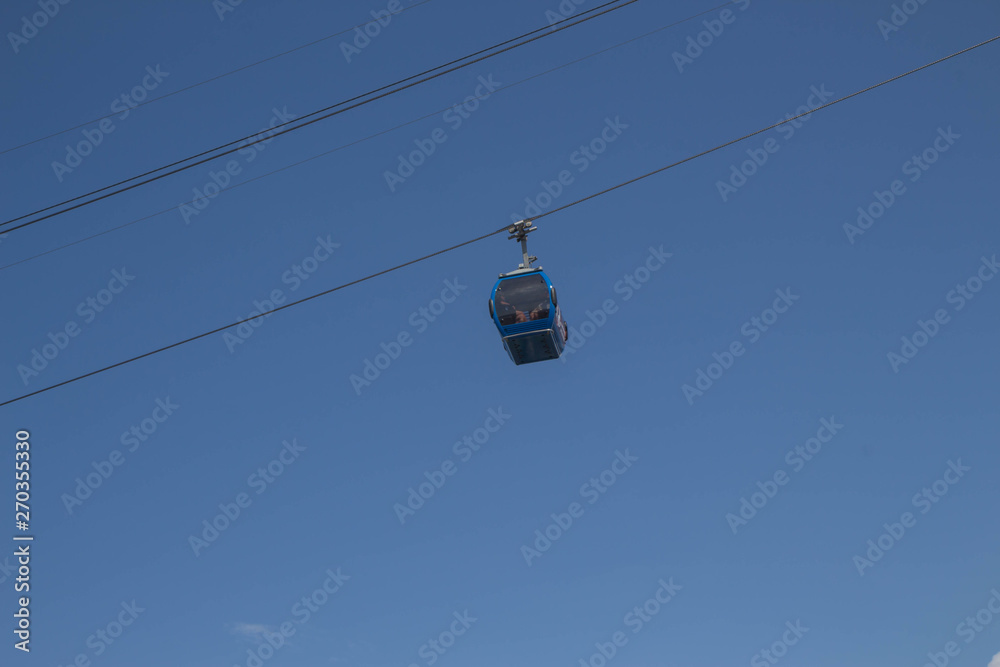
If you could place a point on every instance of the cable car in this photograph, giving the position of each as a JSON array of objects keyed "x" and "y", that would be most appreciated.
[{"x": 525, "y": 309}]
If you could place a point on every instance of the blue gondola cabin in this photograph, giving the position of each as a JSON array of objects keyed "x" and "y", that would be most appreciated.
[{"x": 525, "y": 309}]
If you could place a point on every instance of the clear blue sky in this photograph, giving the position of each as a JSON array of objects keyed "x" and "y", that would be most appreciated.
[{"x": 691, "y": 462}]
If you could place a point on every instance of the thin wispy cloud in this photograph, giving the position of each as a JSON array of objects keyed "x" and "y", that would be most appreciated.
[{"x": 250, "y": 630}]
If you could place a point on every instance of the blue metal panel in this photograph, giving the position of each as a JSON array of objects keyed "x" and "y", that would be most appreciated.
[
  {"x": 531, "y": 347},
  {"x": 525, "y": 327}
]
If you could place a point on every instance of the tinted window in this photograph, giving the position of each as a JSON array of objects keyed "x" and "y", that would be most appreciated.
[{"x": 522, "y": 300}]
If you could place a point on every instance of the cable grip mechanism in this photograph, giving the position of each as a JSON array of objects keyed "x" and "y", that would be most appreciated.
[{"x": 519, "y": 231}]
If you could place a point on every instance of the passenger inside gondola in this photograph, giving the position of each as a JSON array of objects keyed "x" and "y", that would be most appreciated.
[{"x": 522, "y": 299}]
